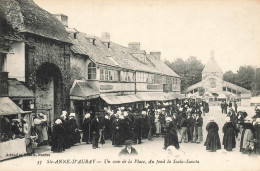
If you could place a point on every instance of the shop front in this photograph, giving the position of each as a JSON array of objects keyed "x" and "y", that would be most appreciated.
[{"x": 11, "y": 145}]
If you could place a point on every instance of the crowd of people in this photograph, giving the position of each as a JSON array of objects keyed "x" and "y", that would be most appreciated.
[
  {"x": 239, "y": 126},
  {"x": 176, "y": 123}
]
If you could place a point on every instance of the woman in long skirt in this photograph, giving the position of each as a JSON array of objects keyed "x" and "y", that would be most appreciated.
[
  {"x": 229, "y": 138},
  {"x": 212, "y": 141},
  {"x": 57, "y": 137},
  {"x": 157, "y": 124},
  {"x": 247, "y": 135}
]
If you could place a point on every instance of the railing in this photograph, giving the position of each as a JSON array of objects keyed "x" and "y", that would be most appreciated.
[{"x": 3, "y": 84}]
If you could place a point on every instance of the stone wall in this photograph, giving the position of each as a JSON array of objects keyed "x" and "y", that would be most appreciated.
[{"x": 40, "y": 52}]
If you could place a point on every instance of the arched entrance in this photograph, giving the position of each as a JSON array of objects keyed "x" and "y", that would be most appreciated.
[{"x": 49, "y": 90}]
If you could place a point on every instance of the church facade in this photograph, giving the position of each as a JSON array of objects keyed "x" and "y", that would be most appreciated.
[{"x": 214, "y": 89}]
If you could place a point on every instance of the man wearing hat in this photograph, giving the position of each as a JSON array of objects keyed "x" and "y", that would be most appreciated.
[
  {"x": 128, "y": 150},
  {"x": 95, "y": 131},
  {"x": 137, "y": 126},
  {"x": 145, "y": 127}
]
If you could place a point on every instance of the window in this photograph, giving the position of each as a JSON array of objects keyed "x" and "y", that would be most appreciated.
[
  {"x": 108, "y": 75},
  {"x": 168, "y": 80},
  {"x": 92, "y": 71},
  {"x": 102, "y": 76},
  {"x": 138, "y": 77}
]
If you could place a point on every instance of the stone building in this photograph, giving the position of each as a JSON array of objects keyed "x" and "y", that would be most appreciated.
[
  {"x": 35, "y": 50},
  {"x": 104, "y": 73},
  {"x": 215, "y": 88}
]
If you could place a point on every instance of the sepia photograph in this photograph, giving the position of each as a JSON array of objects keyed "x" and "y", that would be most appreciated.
[{"x": 129, "y": 85}]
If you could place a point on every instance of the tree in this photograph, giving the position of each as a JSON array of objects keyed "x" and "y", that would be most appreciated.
[
  {"x": 189, "y": 70},
  {"x": 246, "y": 77},
  {"x": 230, "y": 77}
]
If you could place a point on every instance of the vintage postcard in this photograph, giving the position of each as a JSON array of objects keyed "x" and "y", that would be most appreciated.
[{"x": 129, "y": 85}]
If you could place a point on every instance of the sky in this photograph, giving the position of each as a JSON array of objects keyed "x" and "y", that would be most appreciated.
[{"x": 178, "y": 29}]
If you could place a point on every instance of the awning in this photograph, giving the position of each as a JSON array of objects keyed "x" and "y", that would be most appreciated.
[
  {"x": 18, "y": 90},
  {"x": 81, "y": 90},
  {"x": 8, "y": 107},
  {"x": 113, "y": 99},
  {"x": 222, "y": 96}
]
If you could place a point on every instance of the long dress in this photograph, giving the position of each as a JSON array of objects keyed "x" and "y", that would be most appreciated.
[
  {"x": 212, "y": 141},
  {"x": 75, "y": 134},
  {"x": 247, "y": 134},
  {"x": 117, "y": 129},
  {"x": 170, "y": 137},
  {"x": 57, "y": 138},
  {"x": 86, "y": 125},
  {"x": 229, "y": 138}
]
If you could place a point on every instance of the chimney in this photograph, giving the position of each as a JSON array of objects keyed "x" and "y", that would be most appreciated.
[
  {"x": 156, "y": 54},
  {"x": 105, "y": 38},
  {"x": 91, "y": 38},
  {"x": 134, "y": 46},
  {"x": 63, "y": 19}
]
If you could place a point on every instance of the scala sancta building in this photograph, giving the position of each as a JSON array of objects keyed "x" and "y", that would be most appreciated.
[{"x": 214, "y": 89}]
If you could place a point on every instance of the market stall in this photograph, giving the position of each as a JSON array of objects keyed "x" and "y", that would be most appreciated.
[{"x": 11, "y": 145}]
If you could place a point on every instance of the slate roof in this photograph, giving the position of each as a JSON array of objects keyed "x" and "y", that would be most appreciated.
[
  {"x": 122, "y": 57},
  {"x": 26, "y": 16},
  {"x": 17, "y": 89},
  {"x": 212, "y": 66}
]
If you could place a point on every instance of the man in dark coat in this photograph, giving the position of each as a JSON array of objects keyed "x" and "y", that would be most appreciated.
[
  {"x": 235, "y": 106},
  {"x": 212, "y": 142},
  {"x": 150, "y": 125},
  {"x": 222, "y": 107},
  {"x": 107, "y": 130},
  {"x": 128, "y": 150},
  {"x": 125, "y": 133},
  {"x": 145, "y": 127},
  {"x": 191, "y": 120},
  {"x": 230, "y": 104},
  {"x": 184, "y": 128},
  {"x": 95, "y": 132},
  {"x": 198, "y": 133},
  {"x": 225, "y": 107},
  {"x": 57, "y": 144},
  {"x": 230, "y": 133},
  {"x": 86, "y": 125},
  {"x": 137, "y": 126}
]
